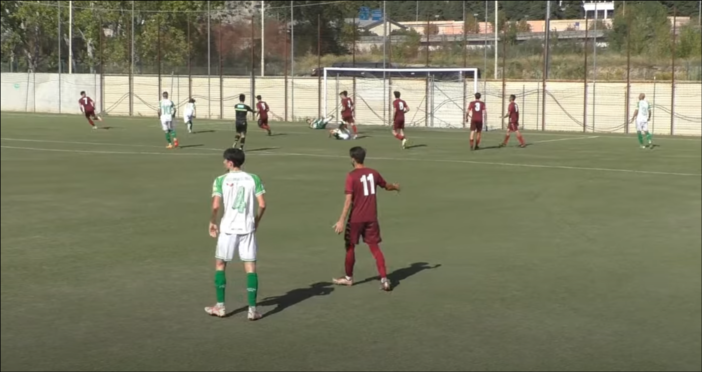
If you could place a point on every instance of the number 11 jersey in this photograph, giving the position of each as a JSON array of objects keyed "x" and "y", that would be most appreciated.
[
  {"x": 361, "y": 184},
  {"x": 238, "y": 191}
]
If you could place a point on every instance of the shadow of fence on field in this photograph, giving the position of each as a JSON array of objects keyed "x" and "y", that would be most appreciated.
[{"x": 396, "y": 277}]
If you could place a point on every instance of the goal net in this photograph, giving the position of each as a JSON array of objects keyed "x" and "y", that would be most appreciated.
[{"x": 437, "y": 97}]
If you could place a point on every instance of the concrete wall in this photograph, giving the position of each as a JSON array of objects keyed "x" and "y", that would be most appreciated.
[
  {"x": 565, "y": 101},
  {"x": 47, "y": 92}
]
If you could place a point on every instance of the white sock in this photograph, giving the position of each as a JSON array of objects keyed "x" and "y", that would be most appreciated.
[{"x": 220, "y": 304}]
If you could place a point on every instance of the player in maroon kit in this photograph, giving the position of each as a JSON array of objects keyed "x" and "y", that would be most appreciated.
[
  {"x": 398, "y": 121},
  {"x": 513, "y": 115},
  {"x": 87, "y": 107},
  {"x": 476, "y": 116},
  {"x": 262, "y": 108},
  {"x": 347, "y": 111},
  {"x": 363, "y": 217}
]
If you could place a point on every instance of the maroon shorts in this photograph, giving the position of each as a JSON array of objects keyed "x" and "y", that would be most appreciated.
[
  {"x": 90, "y": 114},
  {"x": 370, "y": 231},
  {"x": 476, "y": 126},
  {"x": 262, "y": 121},
  {"x": 398, "y": 124},
  {"x": 513, "y": 127},
  {"x": 347, "y": 118}
]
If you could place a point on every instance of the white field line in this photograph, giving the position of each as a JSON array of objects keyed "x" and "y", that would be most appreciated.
[
  {"x": 567, "y": 139},
  {"x": 328, "y": 156}
]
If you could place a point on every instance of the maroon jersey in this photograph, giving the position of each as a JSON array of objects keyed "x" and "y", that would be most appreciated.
[
  {"x": 86, "y": 104},
  {"x": 513, "y": 111},
  {"x": 476, "y": 109},
  {"x": 399, "y": 106},
  {"x": 346, "y": 106},
  {"x": 361, "y": 185},
  {"x": 262, "y": 108}
]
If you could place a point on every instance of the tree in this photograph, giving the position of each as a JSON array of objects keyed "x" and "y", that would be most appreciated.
[
  {"x": 471, "y": 25},
  {"x": 645, "y": 25}
]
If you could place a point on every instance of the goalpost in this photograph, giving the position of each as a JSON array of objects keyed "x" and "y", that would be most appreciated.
[{"x": 437, "y": 97}]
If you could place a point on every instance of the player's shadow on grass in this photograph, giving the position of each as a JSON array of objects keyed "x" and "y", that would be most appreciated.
[
  {"x": 186, "y": 146},
  {"x": 396, "y": 277},
  {"x": 204, "y": 131},
  {"x": 263, "y": 149},
  {"x": 291, "y": 298},
  {"x": 278, "y": 134},
  {"x": 417, "y": 146}
]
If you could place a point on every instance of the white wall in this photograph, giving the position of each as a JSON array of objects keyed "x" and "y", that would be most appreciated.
[
  {"x": 47, "y": 92},
  {"x": 565, "y": 101}
]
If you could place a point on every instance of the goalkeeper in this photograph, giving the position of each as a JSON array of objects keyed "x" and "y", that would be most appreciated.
[{"x": 320, "y": 123}]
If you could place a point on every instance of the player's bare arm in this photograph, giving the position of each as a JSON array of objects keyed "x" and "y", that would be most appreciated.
[
  {"x": 392, "y": 187},
  {"x": 214, "y": 229},
  {"x": 340, "y": 225},
  {"x": 636, "y": 113},
  {"x": 261, "y": 209}
]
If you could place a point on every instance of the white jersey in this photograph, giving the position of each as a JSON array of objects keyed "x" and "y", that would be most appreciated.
[
  {"x": 238, "y": 191},
  {"x": 189, "y": 110},
  {"x": 644, "y": 109},
  {"x": 342, "y": 134},
  {"x": 167, "y": 108}
]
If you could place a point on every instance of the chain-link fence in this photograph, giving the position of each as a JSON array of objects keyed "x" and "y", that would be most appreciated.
[{"x": 584, "y": 77}]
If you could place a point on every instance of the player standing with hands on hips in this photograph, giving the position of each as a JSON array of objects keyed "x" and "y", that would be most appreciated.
[
  {"x": 642, "y": 115},
  {"x": 476, "y": 117},
  {"x": 237, "y": 191},
  {"x": 361, "y": 207}
]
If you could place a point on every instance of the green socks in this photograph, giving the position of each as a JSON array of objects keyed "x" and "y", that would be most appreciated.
[
  {"x": 252, "y": 288},
  {"x": 640, "y": 138},
  {"x": 173, "y": 133},
  {"x": 649, "y": 137},
  {"x": 220, "y": 285},
  {"x": 168, "y": 137}
]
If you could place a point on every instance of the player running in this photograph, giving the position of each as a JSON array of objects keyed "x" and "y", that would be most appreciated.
[
  {"x": 513, "y": 115},
  {"x": 262, "y": 108},
  {"x": 167, "y": 111},
  {"x": 189, "y": 114},
  {"x": 476, "y": 116},
  {"x": 398, "y": 122},
  {"x": 341, "y": 133},
  {"x": 87, "y": 107},
  {"x": 347, "y": 111},
  {"x": 241, "y": 124},
  {"x": 362, "y": 220},
  {"x": 236, "y": 192},
  {"x": 320, "y": 123},
  {"x": 642, "y": 115}
]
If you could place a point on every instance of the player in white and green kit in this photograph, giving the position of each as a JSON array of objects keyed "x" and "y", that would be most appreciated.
[
  {"x": 236, "y": 191},
  {"x": 320, "y": 123},
  {"x": 642, "y": 115},
  {"x": 189, "y": 114},
  {"x": 167, "y": 112}
]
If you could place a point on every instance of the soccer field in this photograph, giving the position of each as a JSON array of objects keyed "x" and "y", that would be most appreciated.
[{"x": 580, "y": 252}]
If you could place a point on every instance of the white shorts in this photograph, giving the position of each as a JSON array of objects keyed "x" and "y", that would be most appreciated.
[
  {"x": 188, "y": 117},
  {"x": 641, "y": 125},
  {"x": 228, "y": 244},
  {"x": 167, "y": 124}
]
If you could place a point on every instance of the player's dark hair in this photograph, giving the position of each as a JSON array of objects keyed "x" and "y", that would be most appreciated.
[
  {"x": 242, "y": 97},
  {"x": 165, "y": 94},
  {"x": 397, "y": 94},
  {"x": 512, "y": 96},
  {"x": 82, "y": 92},
  {"x": 358, "y": 154},
  {"x": 344, "y": 93},
  {"x": 236, "y": 156},
  {"x": 192, "y": 100},
  {"x": 258, "y": 97},
  {"x": 477, "y": 96}
]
